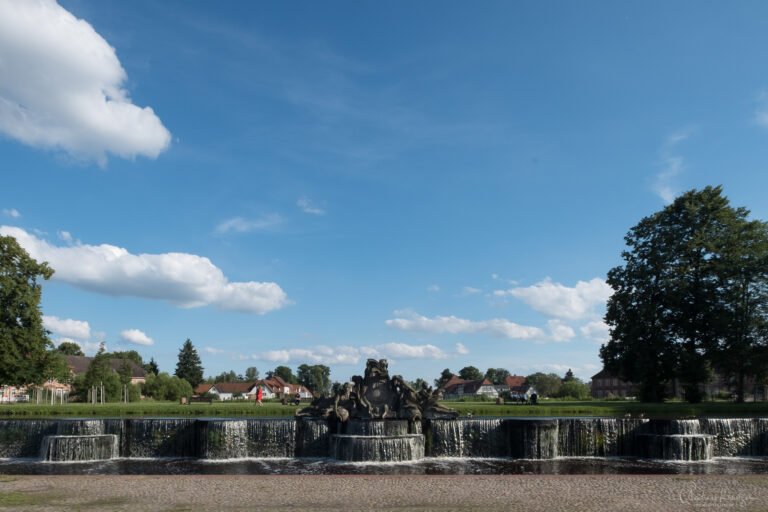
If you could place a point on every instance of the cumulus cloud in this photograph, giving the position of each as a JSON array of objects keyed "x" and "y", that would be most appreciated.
[
  {"x": 558, "y": 331},
  {"x": 344, "y": 354},
  {"x": 597, "y": 331},
  {"x": 136, "y": 337},
  {"x": 308, "y": 207},
  {"x": 411, "y": 321},
  {"x": 62, "y": 87},
  {"x": 559, "y": 301},
  {"x": 242, "y": 225},
  {"x": 11, "y": 212},
  {"x": 461, "y": 349},
  {"x": 186, "y": 280},
  {"x": 66, "y": 327}
]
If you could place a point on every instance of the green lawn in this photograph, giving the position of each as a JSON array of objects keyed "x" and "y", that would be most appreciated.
[{"x": 544, "y": 408}]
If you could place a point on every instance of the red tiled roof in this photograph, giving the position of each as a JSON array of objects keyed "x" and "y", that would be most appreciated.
[
  {"x": 514, "y": 381},
  {"x": 233, "y": 387},
  {"x": 202, "y": 389}
]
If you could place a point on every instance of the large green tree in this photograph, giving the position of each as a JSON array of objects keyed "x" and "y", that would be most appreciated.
[
  {"x": 496, "y": 375},
  {"x": 545, "y": 384},
  {"x": 69, "y": 348},
  {"x": 24, "y": 343},
  {"x": 189, "y": 366},
  {"x": 284, "y": 373},
  {"x": 689, "y": 297},
  {"x": 316, "y": 378},
  {"x": 470, "y": 373},
  {"x": 445, "y": 376}
]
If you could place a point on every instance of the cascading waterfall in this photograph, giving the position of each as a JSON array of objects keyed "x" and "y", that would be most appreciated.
[
  {"x": 234, "y": 439},
  {"x": 378, "y": 440},
  {"x": 357, "y": 448},
  {"x": 313, "y": 437},
  {"x": 598, "y": 437},
  {"x": 735, "y": 437},
  {"x": 22, "y": 438},
  {"x": 160, "y": 437},
  {"x": 68, "y": 448},
  {"x": 477, "y": 437}
]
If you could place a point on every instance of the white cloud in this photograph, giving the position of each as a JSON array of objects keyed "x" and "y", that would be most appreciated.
[
  {"x": 559, "y": 301},
  {"x": 558, "y": 331},
  {"x": 241, "y": 225},
  {"x": 186, "y": 280},
  {"x": 67, "y": 327},
  {"x": 597, "y": 331},
  {"x": 671, "y": 165},
  {"x": 433, "y": 288},
  {"x": 405, "y": 351},
  {"x": 349, "y": 355},
  {"x": 469, "y": 290},
  {"x": 62, "y": 87},
  {"x": 215, "y": 351},
  {"x": 11, "y": 212},
  {"x": 136, "y": 337},
  {"x": 410, "y": 321},
  {"x": 461, "y": 349},
  {"x": 308, "y": 207}
]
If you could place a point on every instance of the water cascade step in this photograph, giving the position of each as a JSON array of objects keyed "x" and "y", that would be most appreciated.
[
  {"x": 70, "y": 448},
  {"x": 357, "y": 448}
]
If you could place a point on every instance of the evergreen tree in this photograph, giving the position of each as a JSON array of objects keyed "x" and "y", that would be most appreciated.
[
  {"x": 189, "y": 367},
  {"x": 151, "y": 366},
  {"x": 24, "y": 343}
]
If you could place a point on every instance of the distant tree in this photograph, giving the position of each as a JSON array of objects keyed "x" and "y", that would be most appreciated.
[
  {"x": 419, "y": 383},
  {"x": 131, "y": 355},
  {"x": 125, "y": 372},
  {"x": 229, "y": 376},
  {"x": 251, "y": 373},
  {"x": 165, "y": 387},
  {"x": 568, "y": 376},
  {"x": 574, "y": 388},
  {"x": 100, "y": 375},
  {"x": 496, "y": 375},
  {"x": 189, "y": 367},
  {"x": 470, "y": 373},
  {"x": 24, "y": 355},
  {"x": 69, "y": 348},
  {"x": 445, "y": 376},
  {"x": 284, "y": 373},
  {"x": 545, "y": 384},
  {"x": 316, "y": 378},
  {"x": 151, "y": 366}
]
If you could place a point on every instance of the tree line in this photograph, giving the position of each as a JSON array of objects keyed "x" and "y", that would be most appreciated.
[{"x": 545, "y": 384}]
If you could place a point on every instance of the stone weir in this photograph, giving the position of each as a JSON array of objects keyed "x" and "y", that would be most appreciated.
[{"x": 379, "y": 440}]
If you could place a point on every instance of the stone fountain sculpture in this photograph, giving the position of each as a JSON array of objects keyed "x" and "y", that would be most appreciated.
[
  {"x": 376, "y": 396},
  {"x": 378, "y": 418}
]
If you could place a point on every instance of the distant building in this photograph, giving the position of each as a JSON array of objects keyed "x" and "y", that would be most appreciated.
[
  {"x": 79, "y": 365},
  {"x": 608, "y": 385},
  {"x": 458, "y": 388}
]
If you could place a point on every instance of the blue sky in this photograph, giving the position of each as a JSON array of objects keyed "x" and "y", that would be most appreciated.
[{"x": 442, "y": 184}]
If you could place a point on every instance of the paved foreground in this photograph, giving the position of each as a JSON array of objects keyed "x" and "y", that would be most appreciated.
[{"x": 383, "y": 493}]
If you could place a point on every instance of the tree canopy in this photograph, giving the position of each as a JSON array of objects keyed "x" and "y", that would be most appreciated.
[
  {"x": 691, "y": 296},
  {"x": 284, "y": 373},
  {"x": 189, "y": 366},
  {"x": 470, "y": 373},
  {"x": 316, "y": 378},
  {"x": 24, "y": 343},
  {"x": 69, "y": 348},
  {"x": 496, "y": 375}
]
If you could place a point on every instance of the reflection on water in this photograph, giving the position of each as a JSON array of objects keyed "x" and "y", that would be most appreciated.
[{"x": 428, "y": 466}]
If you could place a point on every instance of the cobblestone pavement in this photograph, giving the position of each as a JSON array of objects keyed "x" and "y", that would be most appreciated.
[{"x": 384, "y": 493}]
